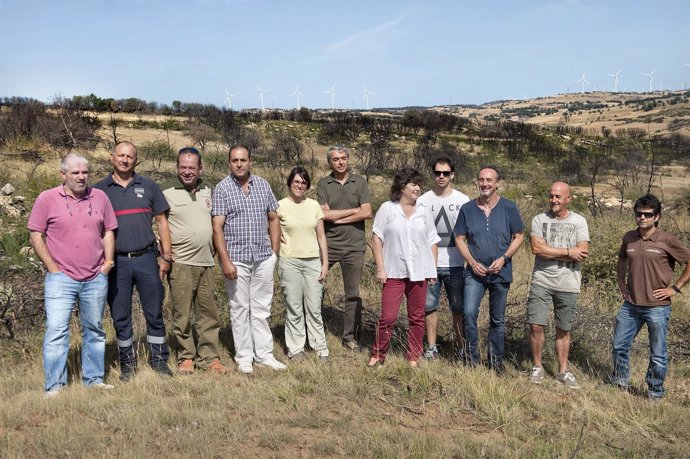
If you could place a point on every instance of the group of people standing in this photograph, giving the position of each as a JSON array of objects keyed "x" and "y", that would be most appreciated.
[
  {"x": 443, "y": 238},
  {"x": 97, "y": 243},
  {"x": 423, "y": 242}
]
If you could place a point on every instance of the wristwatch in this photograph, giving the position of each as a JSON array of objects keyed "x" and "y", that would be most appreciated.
[{"x": 506, "y": 258}]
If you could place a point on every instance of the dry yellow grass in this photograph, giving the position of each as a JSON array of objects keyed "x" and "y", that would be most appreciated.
[{"x": 312, "y": 410}]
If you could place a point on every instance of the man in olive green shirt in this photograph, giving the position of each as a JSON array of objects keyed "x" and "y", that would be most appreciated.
[
  {"x": 346, "y": 204},
  {"x": 192, "y": 277}
]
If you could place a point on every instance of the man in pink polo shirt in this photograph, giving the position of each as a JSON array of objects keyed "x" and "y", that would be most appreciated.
[{"x": 72, "y": 233}]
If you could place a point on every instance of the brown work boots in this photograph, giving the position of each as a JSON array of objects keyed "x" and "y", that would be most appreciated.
[
  {"x": 217, "y": 367},
  {"x": 186, "y": 367}
]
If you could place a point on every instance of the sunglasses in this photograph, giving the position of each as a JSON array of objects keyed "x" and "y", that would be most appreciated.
[
  {"x": 442, "y": 173},
  {"x": 190, "y": 150},
  {"x": 639, "y": 214}
]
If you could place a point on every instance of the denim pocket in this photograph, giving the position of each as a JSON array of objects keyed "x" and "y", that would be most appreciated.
[{"x": 53, "y": 284}]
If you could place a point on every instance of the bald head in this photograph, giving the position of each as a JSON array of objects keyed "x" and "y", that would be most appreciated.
[
  {"x": 124, "y": 158},
  {"x": 559, "y": 199},
  {"x": 562, "y": 186}
]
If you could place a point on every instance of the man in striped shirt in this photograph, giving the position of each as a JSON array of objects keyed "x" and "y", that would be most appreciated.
[
  {"x": 137, "y": 200},
  {"x": 246, "y": 235}
]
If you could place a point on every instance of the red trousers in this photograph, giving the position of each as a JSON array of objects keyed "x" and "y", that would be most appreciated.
[{"x": 391, "y": 299}]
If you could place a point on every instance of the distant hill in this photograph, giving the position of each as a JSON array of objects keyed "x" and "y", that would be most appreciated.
[{"x": 657, "y": 113}]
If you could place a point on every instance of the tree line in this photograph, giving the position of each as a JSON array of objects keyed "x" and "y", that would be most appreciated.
[{"x": 629, "y": 158}]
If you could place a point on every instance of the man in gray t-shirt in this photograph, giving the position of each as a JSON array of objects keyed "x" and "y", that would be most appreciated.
[{"x": 560, "y": 241}]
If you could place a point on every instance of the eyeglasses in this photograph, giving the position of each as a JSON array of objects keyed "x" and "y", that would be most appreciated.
[
  {"x": 88, "y": 198},
  {"x": 442, "y": 173},
  {"x": 639, "y": 214},
  {"x": 298, "y": 183}
]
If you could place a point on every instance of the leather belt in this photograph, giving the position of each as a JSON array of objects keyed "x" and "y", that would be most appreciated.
[{"x": 136, "y": 253}]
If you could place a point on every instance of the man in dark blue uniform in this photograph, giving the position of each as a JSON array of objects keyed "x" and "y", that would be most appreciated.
[{"x": 136, "y": 201}]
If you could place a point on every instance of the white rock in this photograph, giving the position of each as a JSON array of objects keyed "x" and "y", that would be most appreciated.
[
  {"x": 7, "y": 208},
  {"x": 7, "y": 189}
]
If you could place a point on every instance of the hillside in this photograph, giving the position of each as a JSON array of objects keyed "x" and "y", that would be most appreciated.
[{"x": 657, "y": 113}]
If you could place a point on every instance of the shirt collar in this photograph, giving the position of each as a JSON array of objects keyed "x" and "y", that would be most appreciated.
[
  {"x": 333, "y": 179},
  {"x": 653, "y": 237},
  {"x": 234, "y": 180},
  {"x": 419, "y": 208},
  {"x": 109, "y": 179},
  {"x": 179, "y": 186},
  {"x": 87, "y": 195}
]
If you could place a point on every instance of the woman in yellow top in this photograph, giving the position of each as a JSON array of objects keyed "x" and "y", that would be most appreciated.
[{"x": 302, "y": 267}]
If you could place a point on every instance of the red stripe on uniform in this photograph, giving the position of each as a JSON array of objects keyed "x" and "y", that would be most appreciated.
[{"x": 142, "y": 210}]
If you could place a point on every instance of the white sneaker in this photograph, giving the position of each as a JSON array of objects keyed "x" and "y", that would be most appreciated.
[
  {"x": 567, "y": 379},
  {"x": 536, "y": 376},
  {"x": 102, "y": 386},
  {"x": 272, "y": 363},
  {"x": 245, "y": 367},
  {"x": 52, "y": 393}
]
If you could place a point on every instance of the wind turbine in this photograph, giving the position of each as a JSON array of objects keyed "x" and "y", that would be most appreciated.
[
  {"x": 229, "y": 98},
  {"x": 366, "y": 95},
  {"x": 332, "y": 93},
  {"x": 261, "y": 95},
  {"x": 583, "y": 81},
  {"x": 651, "y": 79},
  {"x": 615, "y": 80},
  {"x": 297, "y": 93}
]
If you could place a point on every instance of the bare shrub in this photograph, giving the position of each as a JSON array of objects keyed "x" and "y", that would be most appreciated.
[
  {"x": 156, "y": 152},
  {"x": 21, "y": 301}
]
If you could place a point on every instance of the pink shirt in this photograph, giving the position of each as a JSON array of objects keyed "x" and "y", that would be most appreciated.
[{"x": 74, "y": 229}]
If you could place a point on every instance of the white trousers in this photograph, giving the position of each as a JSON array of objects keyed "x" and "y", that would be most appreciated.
[{"x": 250, "y": 297}]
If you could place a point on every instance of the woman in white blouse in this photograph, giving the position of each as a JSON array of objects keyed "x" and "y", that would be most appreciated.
[{"x": 405, "y": 250}]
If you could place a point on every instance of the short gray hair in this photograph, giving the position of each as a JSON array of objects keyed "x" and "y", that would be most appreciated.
[
  {"x": 72, "y": 158},
  {"x": 339, "y": 149}
]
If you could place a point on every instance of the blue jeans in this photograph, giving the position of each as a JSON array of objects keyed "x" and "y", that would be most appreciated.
[
  {"x": 61, "y": 292},
  {"x": 629, "y": 322},
  {"x": 474, "y": 290},
  {"x": 452, "y": 279}
]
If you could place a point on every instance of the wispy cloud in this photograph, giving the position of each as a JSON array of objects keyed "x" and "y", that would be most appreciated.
[{"x": 368, "y": 35}]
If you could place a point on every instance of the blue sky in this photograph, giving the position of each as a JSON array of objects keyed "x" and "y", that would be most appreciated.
[{"x": 406, "y": 52}]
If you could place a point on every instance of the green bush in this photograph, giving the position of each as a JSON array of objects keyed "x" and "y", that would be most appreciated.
[{"x": 605, "y": 234}]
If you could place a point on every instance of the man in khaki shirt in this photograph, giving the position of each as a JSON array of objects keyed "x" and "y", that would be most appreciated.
[{"x": 191, "y": 277}]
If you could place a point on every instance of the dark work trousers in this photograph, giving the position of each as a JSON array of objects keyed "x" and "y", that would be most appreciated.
[
  {"x": 142, "y": 272},
  {"x": 351, "y": 264}
]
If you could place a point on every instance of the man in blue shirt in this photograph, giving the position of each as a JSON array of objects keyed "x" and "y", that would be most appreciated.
[
  {"x": 488, "y": 232},
  {"x": 137, "y": 201}
]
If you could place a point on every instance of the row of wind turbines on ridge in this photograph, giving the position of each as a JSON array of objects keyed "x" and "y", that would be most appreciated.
[
  {"x": 649, "y": 75},
  {"x": 298, "y": 94}
]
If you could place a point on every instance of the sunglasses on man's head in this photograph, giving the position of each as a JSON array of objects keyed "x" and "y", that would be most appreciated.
[
  {"x": 189, "y": 150},
  {"x": 442, "y": 173},
  {"x": 639, "y": 214}
]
